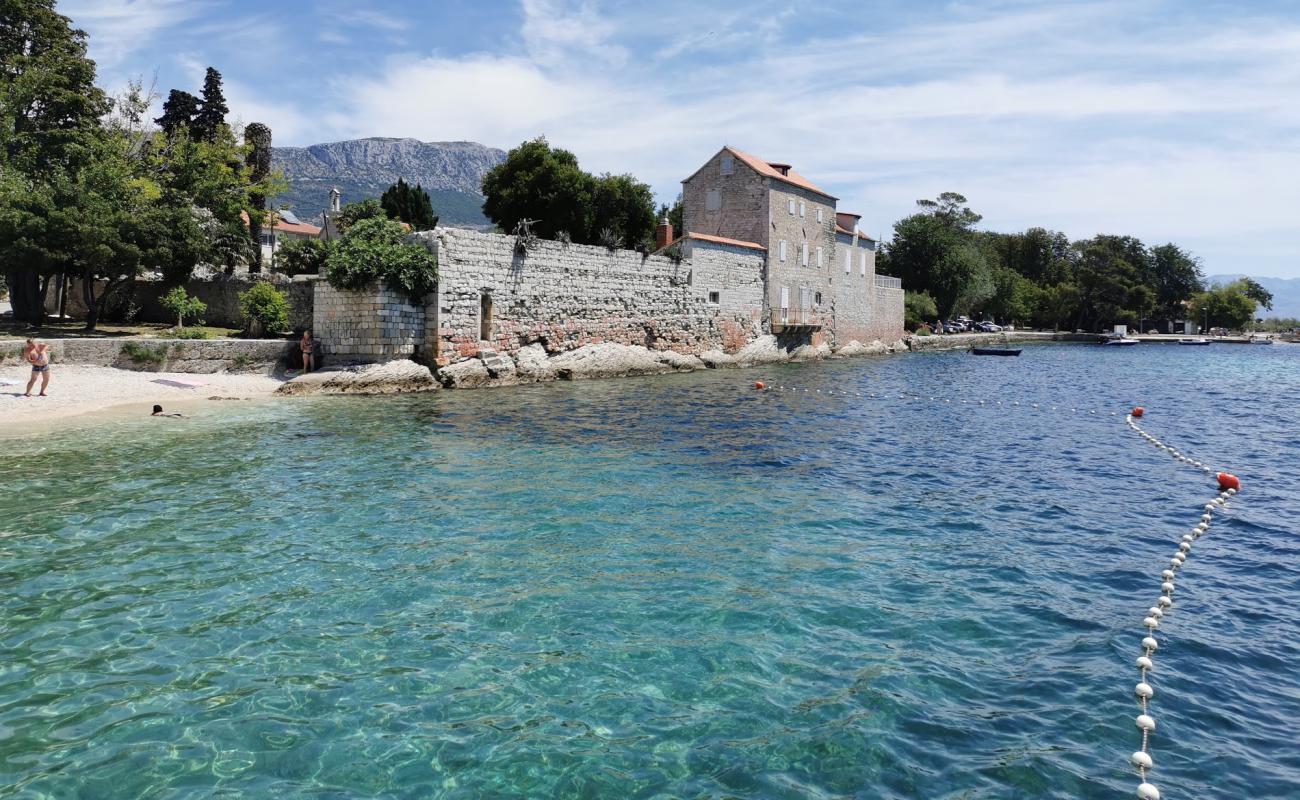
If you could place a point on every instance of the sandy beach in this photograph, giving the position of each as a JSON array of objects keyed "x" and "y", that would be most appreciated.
[{"x": 80, "y": 390}]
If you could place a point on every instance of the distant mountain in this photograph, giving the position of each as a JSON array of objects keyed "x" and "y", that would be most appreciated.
[
  {"x": 452, "y": 172},
  {"x": 1286, "y": 293}
]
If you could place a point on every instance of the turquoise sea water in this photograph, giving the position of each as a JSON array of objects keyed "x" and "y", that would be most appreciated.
[{"x": 671, "y": 587}]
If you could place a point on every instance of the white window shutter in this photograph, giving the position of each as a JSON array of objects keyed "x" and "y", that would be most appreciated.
[
  {"x": 783, "y": 249},
  {"x": 848, "y": 262},
  {"x": 863, "y": 265},
  {"x": 819, "y": 257},
  {"x": 790, "y": 205},
  {"x": 801, "y": 208},
  {"x": 805, "y": 254},
  {"x": 819, "y": 215}
]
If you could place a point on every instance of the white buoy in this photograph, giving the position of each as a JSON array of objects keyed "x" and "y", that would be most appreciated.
[
  {"x": 1144, "y": 690},
  {"x": 1150, "y": 643},
  {"x": 1141, "y": 759},
  {"x": 1185, "y": 546},
  {"x": 1167, "y": 587},
  {"x": 1156, "y": 611},
  {"x": 1148, "y": 792},
  {"x": 1151, "y": 622},
  {"x": 1145, "y": 722},
  {"x": 1164, "y": 602},
  {"x": 1145, "y": 663},
  {"x": 1167, "y": 574}
]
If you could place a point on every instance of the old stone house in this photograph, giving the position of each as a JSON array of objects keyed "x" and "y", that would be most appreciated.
[{"x": 821, "y": 269}]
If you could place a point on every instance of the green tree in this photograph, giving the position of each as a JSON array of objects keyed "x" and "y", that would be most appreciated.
[
  {"x": 49, "y": 118},
  {"x": 1256, "y": 292},
  {"x": 1057, "y": 304},
  {"x": 264, "y": 308},
  {"x": 352, "y": 213},
  {"x": 410, "y": 204},
  {"x": 303, "y": 256},
  {"x": 258, "y": 139},
  {"x": 1107, "y": 269},
  {"x": 918, "y": 307},
  {"x": 1231, "y": 306},
  {"x": 1174, "y": 276},
  {"x": 374, "y": 249},
  {"x": 540, "y": 183},
  {"x": 951, "y": 209},
  {"x": 179, "y": 112},
  {"x": 1013, "y": 297},
  {"x": 179, "y": 302},
  {"x": 622, "y": 212},
  {"x": 212, "y": 111}
]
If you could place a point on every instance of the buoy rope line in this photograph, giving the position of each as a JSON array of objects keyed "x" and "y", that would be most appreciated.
[{"x": 1229, "y": 486}]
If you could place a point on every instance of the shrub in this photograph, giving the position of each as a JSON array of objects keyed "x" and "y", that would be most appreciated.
[
  {"x": 373, "y": 250},
  {"x": 189, "y": 333},
  {"x": 265, "y": 309},
  {"x": 143, "y": 354},
  {"x": 183, "y": 306},
  {"x": 302, "y": 256},
  {"x": 918, "y": 307}
]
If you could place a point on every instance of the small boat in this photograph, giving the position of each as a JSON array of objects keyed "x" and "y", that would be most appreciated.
[
  {"x": 1260, "y": 340},
  {"x": 1116, "y": 340},
  {"x": 993, "y": 351},
  {"x": 1199, "y": 342}
]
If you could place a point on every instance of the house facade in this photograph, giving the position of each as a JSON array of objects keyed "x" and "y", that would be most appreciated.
[{"x": 821, "y": 269}]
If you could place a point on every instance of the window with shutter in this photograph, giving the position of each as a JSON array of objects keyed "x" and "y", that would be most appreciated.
[
  {"x": 801, "y": 208},
  {"x": 805, "y": 254},
  {"x": 819, "y": 257},
  {"x": 783, "y": 249},
  {"x": 819, "y": 215},
  {"x": 790, "y": 205},
  {"x": 863, "y": 265},
  {"x": 848, "y": 262}
]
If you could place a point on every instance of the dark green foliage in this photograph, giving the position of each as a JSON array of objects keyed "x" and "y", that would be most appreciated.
[
  {"x": 258, "y": 139},
  {"x": 302, "y": 256},
  {"x": 622, "y": 211},
  {"x": 264, "y": 308},
  {"x": 545, "y": 184},
  {"x": 1037, "y": 275},
  {"x": 179, "y": 112},
  {"x": 409, "y": 204},
  {"x": 212, "y": 112},
  {"x": 352, "y": 213},
  {"x": 1231, "y": 306},
  {"x": 918, "y": 307},
  {"x": 144, "y": 355},
  {"x": 373, "y": 249}
]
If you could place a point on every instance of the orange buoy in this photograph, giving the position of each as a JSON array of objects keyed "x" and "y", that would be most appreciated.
[
  {"x": 1228, "y": 481},
  {"x": 759, "y": 385},
  {"x": 1139, "y": 411}
]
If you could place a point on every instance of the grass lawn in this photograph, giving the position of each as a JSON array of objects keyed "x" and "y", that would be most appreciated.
[{"x": 74, "y": 329}]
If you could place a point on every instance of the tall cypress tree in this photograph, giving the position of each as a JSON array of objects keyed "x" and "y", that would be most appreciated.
[
  {"x": 409, "y": 204},
  {"x": 212, "y": 114},
  {"x": 179, "y": 111},
  {"x": 258, "y": 136}
]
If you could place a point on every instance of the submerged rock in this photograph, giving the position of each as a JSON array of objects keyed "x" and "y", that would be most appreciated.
[{"x": 392, "y": 377}]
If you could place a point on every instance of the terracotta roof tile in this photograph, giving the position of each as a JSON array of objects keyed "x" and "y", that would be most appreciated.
[
  {"x": 704, "y": 237},
  {"x": 791, "y": 177}
]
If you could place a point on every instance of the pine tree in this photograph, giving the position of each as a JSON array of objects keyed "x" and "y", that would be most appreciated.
[
  {"x": 409, "y": 204},
  {"x": 178, "y": 112},
  {"x": 212, "y": 114},
  {"x": 259, "y": 162}
]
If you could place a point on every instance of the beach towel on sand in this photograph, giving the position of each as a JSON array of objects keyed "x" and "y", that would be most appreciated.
[{"x": 180, "y": 383}]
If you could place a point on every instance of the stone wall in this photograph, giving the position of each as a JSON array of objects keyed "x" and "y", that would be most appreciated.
[
  {"x": 376, "y": 324},
  {"x": 164, "y": 355},
  {"x": 565, "y": 297},
  {"x": 742, "y": 208}
]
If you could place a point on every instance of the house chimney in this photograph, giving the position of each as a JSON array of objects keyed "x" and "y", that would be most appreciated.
[
  {"x": 335, "y": 197},
  {"x": 663, "y": 234}
]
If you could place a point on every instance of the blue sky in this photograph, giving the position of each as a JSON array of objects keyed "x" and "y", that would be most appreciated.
[{"x": 1172, "y": 120}]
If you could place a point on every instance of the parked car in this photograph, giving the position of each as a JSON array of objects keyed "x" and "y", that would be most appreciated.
[{"x": 989, "y": 327}]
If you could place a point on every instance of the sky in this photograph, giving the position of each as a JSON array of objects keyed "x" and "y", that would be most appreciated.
[{"x": 1170, "y": 120}]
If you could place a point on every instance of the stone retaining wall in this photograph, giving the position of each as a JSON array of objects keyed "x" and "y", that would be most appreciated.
[
  {"x": 961, "y": 341},
  {"x": 567, "y": 296},
  {"x": 165, "y": 355},
  {"x": 375, "y": 324}
]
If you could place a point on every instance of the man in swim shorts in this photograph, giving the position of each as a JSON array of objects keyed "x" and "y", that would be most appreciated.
[{"x": 38, "y": 355}]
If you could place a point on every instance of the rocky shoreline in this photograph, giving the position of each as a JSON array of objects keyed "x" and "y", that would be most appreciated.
[{"x": 532, "y": 364}]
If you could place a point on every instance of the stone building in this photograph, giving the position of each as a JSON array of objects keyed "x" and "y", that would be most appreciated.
[{"x": 821, "y": 277}]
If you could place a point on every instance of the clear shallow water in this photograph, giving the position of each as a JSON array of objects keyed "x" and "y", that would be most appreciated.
[{"x": 664, "y": 588}]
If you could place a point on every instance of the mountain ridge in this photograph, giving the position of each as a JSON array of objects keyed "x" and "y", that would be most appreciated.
[{"x": 452, "y": 172}]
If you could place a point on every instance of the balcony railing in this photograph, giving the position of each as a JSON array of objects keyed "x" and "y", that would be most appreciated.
[
  {"x": 886, "y": 282},
  {"x": 792, "y": 318}
]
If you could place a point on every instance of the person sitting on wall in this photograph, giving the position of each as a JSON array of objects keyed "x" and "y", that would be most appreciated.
[{"x": 308, "y": 347}]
